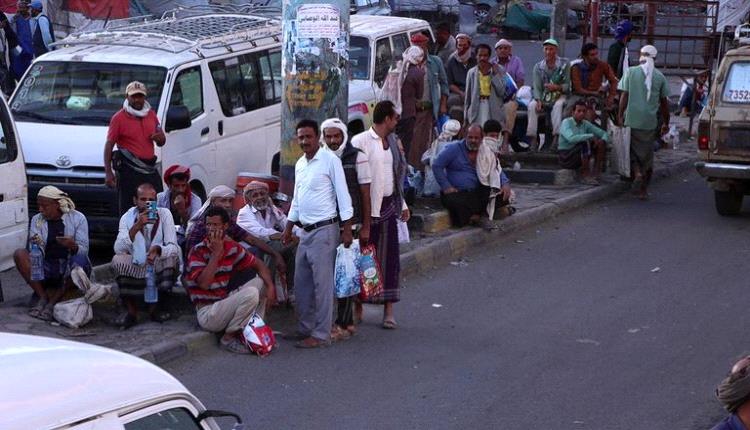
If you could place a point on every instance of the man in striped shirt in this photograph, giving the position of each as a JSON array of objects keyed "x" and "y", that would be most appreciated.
[{"x": 220, "y": 282}]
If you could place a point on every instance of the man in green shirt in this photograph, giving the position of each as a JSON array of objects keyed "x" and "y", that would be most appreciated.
[
  {"x": 551, "y": 84},
  {"x": 579, "y": 139},
  {"x": 644, "y": 97}
]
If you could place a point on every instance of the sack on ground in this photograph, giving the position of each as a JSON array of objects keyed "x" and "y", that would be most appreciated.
[
  {"x": 620, "y": 149},
  {"x": 372, "y": 279},
  {"x": 258, "y": 336},
  {"x": 346, "y": 272},
  {"x": 73, "y": 313}
]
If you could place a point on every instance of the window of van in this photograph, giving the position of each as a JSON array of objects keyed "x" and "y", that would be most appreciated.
[
  {"x": 359, "y": 58},
  {"x": 270, "y": 70},
  {"x": 174, "y": 419},
  {"x": 383, "y": 60},
  {"x": 81, "y": 93},
  {"x": 188, "y": 91},
  {"x": 400, "y": 43},
  {"x": 737, "y": 86},
  {"x": 237, "y": 83}
]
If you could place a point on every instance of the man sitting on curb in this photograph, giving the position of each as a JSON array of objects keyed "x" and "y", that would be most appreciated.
[
  {"x": 179, "y": 199},
  {"x": 62, "y": 234},
  {"x": 261, "y": 218},
  {"x": 145, "y": 240},
  {"x": 223, "y": 197},
  {"x": 220, "y": 282},
  {"x": 734, "y": 394},
  {"x": 579, "y": 139},
  {"x": 463, "y": 192}
]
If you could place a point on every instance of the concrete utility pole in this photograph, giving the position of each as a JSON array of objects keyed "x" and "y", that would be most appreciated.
[
  {"x": 316, "y": 73},
  {"x": 559, "y": 24}
]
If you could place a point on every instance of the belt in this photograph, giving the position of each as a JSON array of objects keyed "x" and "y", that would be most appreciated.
[
  {"x": 310, "y": 227},
  {"x": 484, "y": 97}
]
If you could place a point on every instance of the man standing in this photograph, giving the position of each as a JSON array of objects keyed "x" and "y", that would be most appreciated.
[
  {"x": 457, "y": 67},
  {"x": 412, "y": 91},
  {"x": 321, "y": 200},
  {"x": 263, "y": 220},
  {"x": 461, "y": 175},
  {"x": 550, "y": 87},
  {"x": 41, "y": 30},
  {"x": 134, "y": 129},
  {"x": 579, "y": 139},
  {"x": 587, "y": 77},
  {"x": 62, "y": 235},
  {"x": 358, "y": 180},
  {"x": 146, "y": 242},
  {"x": 8, "y": 43},
  {"x": 446, "y": 43},
  {"x": 223, "y": 197},
  {"x": 179, "y": 199},
  {"x": 734, "y": 395},
  {"x": 485, "y": 91},
  {"x": 644, "y": 97},
  {"x": 433, "y": 104},
  {"x": 220, "y": 282},
  {"x": 617, "y": 56},
  {"x": 23, "y": 53},
  {"x": 387, "y": 205}
]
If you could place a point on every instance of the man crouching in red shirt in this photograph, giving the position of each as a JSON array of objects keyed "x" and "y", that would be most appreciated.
[{"x": 220, "y": 279}]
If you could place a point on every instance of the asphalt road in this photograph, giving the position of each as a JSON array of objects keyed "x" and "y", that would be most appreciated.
[{"x": 568, "y": 325}]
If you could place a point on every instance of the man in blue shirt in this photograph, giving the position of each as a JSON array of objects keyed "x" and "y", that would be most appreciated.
[
  {"x": 734, "y": 394},
  {"x": 42, "y": 34},
  {"x": 462, "y": 192}
]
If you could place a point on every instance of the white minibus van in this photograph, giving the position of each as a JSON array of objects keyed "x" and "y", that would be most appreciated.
[{"x": 14, "y": 215}]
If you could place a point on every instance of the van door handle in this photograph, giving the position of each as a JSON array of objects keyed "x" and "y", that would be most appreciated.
[
  {"x": 204, "y": 131},
  {"x": 221, "y": 128}
]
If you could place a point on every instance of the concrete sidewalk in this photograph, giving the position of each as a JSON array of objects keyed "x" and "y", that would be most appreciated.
[{"x": 434, "y": 246}]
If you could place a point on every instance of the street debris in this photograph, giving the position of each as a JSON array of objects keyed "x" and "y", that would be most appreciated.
[
  {"x": 437, "y": 305},
  {"x": 589, "y": 341},
  {"x": 633, "y": 330},
  {"x": 519, "y": 241},
  {"x": 656, "y": 269},
  {"x": 459, "y": 263}
]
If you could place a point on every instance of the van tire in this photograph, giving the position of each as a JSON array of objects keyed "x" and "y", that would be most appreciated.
[
  {"x": 199, "y": 190},
  {"x": 728, "y": 203}
]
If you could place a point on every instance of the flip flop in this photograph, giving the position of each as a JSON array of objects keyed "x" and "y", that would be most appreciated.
[
  {"x": 235, "y": 346},
  {"x": 389, "y": 324}
]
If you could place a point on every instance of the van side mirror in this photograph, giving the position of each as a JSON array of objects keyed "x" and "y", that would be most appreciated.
[
  {"x": 178, "y": 118},
  {"x": 238, "y": 425}
]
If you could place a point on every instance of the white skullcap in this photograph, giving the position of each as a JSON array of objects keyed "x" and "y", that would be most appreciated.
[
  {"x": 649, "y": 50},
  {"x": 503, "y": 42},
  {"x": 220, "y": 191}
]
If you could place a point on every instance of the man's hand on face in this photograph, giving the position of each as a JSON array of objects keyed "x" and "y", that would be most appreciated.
[
  {"x": 153, "y": 254},
  {"x": 216, "y": 242}
]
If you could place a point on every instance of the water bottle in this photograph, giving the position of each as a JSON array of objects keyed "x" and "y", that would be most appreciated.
[
  {"x": 37, "y": 262},
  {"x": 150, "y": 294}
]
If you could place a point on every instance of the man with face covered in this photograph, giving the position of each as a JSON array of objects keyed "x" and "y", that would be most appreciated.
[
  {"x": 457, "y": 171},
  {"x": 262, "y": 219},
  {"x": 734, "y": 394}
]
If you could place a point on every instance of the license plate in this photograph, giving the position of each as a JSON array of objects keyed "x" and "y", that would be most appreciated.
[{"x": 735, "y": 138}]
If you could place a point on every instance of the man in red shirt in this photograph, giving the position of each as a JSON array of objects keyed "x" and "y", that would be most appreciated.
[
  {"x": 134, "y": 129},
  {"x": 219, "y": 280}
]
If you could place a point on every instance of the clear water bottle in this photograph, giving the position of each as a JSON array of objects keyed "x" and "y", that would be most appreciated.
[
  {"x": 37, "y": 262},
  {"x": 150, "y": 294}
]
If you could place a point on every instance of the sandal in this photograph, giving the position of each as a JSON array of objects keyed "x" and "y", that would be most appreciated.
[
  {"x": 126, "y": 321},
  {"x": 37, "y": 309},
  {"x": 235, "y": 346},
  {"x": 46, "y": 314},
  {"x": 389, "y": 324},
  {"x": 338, "y": 333}
]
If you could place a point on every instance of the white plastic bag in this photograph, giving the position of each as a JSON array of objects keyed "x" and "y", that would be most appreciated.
[
  {"x": 347, "y": 272},
  {"x": 73, "y": 313},
  {"x": 403, "y": 232},
  {"x": 620, "y": 149},
  {"x": 392, "y": 88}
]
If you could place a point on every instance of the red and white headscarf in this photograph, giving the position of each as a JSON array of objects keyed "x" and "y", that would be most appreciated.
[{"x": 176, "y": 170}]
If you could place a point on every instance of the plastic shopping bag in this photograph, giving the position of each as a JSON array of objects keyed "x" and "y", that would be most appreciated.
[
  {"x": 372, "y": 279},
  {"x": 620, "y": 149},
  {"x": 258, "y": 336},
  {"x": 392, "y": 88},
  {"x": 346, "y": 273},
  {"x": 403, "y": 232}
]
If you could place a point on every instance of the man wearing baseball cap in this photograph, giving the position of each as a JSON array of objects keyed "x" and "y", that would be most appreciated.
[
  {"x": 134, "y": 129},
  {"x": 42, "y": 33}
]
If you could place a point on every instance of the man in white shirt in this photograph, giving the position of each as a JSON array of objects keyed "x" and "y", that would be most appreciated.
[
  {"x": 261, "y": 218},
  {"x": 321, "y": 200},
  {"x": 145, "y": 239},
  {"x": 387, "y": 166}
]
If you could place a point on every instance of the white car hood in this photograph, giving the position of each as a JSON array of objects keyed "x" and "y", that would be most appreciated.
[
  {"x": 46, "y": 143},
  {"x": 361, "y": 91}
]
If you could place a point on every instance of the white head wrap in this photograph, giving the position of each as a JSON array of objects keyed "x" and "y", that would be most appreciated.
[
  {"x": 54, "y": 193},
  {"x": 413, "y": 55},
  {"x": 450, "y": 129},
  {"x": 220, "y": 191},
  {"x": 503, "y": 42},
  {"x": 648, "y": 54},
  {"x": 334, "y": 123}
]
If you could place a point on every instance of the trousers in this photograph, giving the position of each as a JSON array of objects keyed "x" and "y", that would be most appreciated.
[
  {"x": 314, "y": 281},
  {"x": 232, "y": 313},
  {"x": 532, "y": 129}
]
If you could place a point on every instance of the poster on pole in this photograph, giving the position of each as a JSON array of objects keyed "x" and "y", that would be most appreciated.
[{"x": 318, "y": 21}]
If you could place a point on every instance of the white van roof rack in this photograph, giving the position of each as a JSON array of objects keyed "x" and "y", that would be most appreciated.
[{"x": 175, "y": 32}]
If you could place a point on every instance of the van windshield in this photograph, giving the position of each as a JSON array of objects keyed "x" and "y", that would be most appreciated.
[
  {"x": 737, "y": 86},
  {"x": 62, "y": 92},
  {"x": 359, "y": 58}
]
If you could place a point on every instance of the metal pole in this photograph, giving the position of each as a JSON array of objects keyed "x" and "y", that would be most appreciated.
[
  {"x": 594, "y": 21},
  {"x": 559, "y": 24},
  {"x": 316, "y": 74}
]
